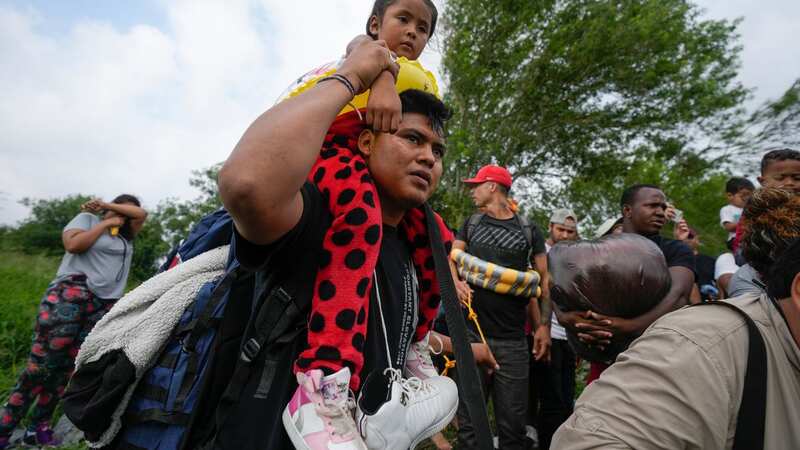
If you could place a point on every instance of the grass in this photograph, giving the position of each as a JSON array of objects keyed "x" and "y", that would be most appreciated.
[{"x": 23, "y": 281}]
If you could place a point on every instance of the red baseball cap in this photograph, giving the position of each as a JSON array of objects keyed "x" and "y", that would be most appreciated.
[{"x": 491, "y": 173}]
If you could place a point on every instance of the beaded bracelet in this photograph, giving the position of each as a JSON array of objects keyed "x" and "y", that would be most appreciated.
[{"x": 342, "y": 79}]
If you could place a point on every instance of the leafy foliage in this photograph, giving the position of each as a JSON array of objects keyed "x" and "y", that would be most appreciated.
[
  {"x": 41, "y": 232},
  {"x": 579, "y": 98},
  {"x": 164, "y": 228}
]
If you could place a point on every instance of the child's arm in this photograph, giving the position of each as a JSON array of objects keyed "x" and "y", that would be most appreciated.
[
  {"x": 384, "y": 109},
  {"x": 729, "y": 226}
]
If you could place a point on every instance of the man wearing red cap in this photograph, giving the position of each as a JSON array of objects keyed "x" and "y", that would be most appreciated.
[{"x": 499, "y": 235}]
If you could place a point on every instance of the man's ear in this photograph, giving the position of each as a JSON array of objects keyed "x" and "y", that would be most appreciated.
[
  {"x": 366, "y": 142},
  {"x": 795, "y": 290},
  {"x": 760, "y": 180},
  {"x": 626, "y": 211}
]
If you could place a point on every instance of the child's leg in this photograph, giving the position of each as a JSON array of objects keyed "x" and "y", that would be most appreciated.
[{"x": 339, "y": 309}]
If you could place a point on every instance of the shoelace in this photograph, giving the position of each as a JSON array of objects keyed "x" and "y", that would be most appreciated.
[
  {"x": 409, "y": 386},
  {"x": 338, "y": 416},
  {"x": 424, "y": 355}
]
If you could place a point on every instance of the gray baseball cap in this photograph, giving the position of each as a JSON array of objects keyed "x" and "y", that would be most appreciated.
[{"x": 561, "y": 215}]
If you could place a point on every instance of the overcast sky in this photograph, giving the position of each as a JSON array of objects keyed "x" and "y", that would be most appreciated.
[{"x": 104, "y": 97}]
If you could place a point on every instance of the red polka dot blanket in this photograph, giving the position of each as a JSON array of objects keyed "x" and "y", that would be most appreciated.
[{"x": 350, "y": 253}]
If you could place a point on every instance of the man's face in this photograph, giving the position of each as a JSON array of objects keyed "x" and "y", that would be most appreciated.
[
  {"x": 740, "y": 198},
  {"x": 407, "y": 165},
  {"x": 782, "y": 174},
  {"x": 481, "y": 193},
  {"x": 566, "y": 232},
  {"x": 646, "y": 214}
]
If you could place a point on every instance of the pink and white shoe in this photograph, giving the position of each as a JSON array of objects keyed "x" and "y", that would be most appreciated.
[
  {"x": 418, "y": 360},
  {"x": 320, "y": 414}
]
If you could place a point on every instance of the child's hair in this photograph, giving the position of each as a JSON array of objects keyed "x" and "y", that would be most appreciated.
[
  {"x": 736, "y": 184},
  {"x": 783, "y": 154},
  {"x": 379, "y": 9},
  {"x": 771, "y": 221}
]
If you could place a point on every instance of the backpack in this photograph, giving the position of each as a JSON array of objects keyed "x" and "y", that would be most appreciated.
[
  {"x": 751, "y": 418},
  {"x": 165, "y": 395},
  {"x": 528, "y": 228},
  {"x": 212, "y": 231},
  {"x": 165, "y": 407}
]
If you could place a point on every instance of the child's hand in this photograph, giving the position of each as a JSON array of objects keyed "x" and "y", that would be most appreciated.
[{"x": 384, "y": 109}]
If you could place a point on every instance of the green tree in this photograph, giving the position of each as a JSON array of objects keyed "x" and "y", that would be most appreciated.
[
  {"x": 41, "y": 231},
  {"x": 583, "y": 91}
]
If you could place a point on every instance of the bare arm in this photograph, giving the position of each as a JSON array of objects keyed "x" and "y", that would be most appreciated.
[
  {"x": 677, "y": 297},
  {"x": 722, "y": 282},
  {"x": 540, "y": 262},
  {"x": 78, "y": 241},
  {"x": 136, "y": 214},
  {"x": 462, "y": 287},
  {"x": 261, "y": 180},
  {"x": 729, "y": 227}
]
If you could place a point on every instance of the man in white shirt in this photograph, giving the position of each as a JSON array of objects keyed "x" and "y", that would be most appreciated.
[{"x": 554, "y": 381}]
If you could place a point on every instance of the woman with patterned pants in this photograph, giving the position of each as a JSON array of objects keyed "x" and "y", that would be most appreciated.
[{"x": 92, "y": 276}]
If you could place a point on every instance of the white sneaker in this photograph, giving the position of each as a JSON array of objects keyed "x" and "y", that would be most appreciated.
[
  {"x": 412, "y": 410},
  {"x": 320, "y": 414},
  {"x": 418, "y": 360}
]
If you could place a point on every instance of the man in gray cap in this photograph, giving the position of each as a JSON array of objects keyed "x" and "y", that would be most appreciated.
[{"x": 554, "y": 382}]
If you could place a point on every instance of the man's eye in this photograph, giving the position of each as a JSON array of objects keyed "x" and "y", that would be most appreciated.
[
  {"x": 413, "y": 139},
  {"x": 438, "y": 153}
]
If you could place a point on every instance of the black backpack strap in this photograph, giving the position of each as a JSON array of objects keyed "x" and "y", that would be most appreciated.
[
  {"x": 750, "y": 421},
  {"x": 197, "y": 328},
  {"x": 468, "y": 377},
  {"x": 527, "y": 228},
  {"x": 274, "y": 323},
  {"x": 473, "y": 222}
]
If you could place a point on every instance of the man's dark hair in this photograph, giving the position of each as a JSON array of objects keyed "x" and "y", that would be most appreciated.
[
  {"x": 780, "y": 276},
  {"x": 629, "y": 194},
  {"x": 419, "y": 102},
  {"x": 783, "y": 154},
  {"x": 736, "y": 184},
  {"x": 770, "y": 222}
]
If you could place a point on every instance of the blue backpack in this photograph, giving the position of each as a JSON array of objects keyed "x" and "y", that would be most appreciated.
[{"x": 212, "y": 231}]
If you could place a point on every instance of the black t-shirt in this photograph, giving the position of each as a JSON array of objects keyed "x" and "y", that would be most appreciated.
[
  {"x": 397, "y": 281},
  {"x": 705, "y": 269},
  {"x": 504, "y": 243},
  {"x": 677, "y": 253}
]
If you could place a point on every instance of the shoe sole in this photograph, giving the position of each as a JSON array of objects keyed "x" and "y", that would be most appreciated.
[
  {"x": 293, "y": 432},
  {"x": 435, "y": 428}
]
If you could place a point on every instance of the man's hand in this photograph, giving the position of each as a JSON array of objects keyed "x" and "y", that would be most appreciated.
[
  {"x": 681, "y": 230},
  {"x": 484, "y": 357},
  {"x": 588, "y": 331},
  {"x": 541, "y": 343},
  {"x": 384, "y": 109},
  {"x": 367, "y": 60},
  {"x": 618, "y": 327},
  {"x": 463, "y": 290}
]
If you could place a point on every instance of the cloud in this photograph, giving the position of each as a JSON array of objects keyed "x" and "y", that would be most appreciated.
[
  {"x": 101, "y": 109},
  {"x": 98, "y": 107}
]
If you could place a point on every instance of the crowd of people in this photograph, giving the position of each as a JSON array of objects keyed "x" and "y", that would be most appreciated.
[{"x": 331, "y": 222}]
